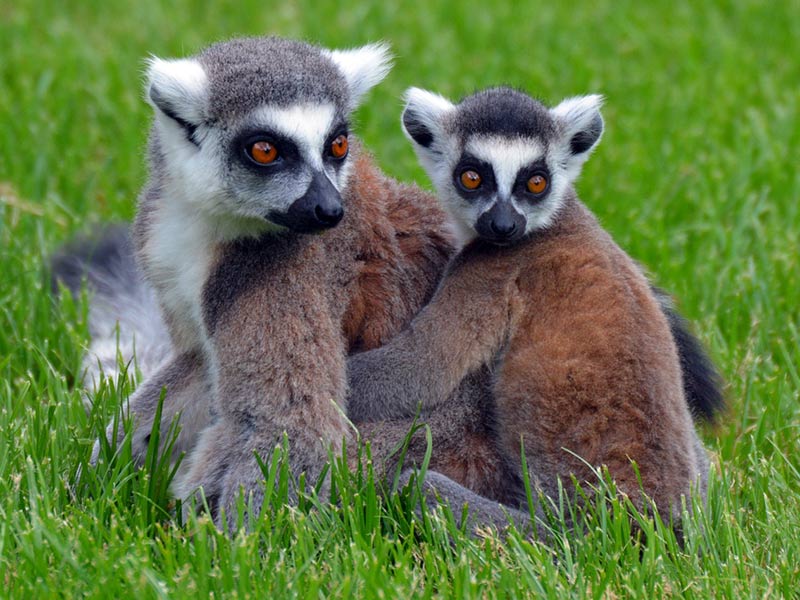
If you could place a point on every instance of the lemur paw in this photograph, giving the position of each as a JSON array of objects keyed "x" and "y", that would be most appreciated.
[
  {"x": 224, "y": 469},
  {"x": 140, "y": 441},
  {"x": 110, "y": 439}
]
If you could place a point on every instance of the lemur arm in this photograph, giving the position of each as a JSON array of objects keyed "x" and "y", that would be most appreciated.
[
  {"x": 463, "y": 327},
  {"x": 277, "y": 358}
]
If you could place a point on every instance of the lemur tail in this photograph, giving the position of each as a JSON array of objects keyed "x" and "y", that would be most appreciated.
[
  {"x": 125, "y": 321},
  {"x": 702, "y": 384}
]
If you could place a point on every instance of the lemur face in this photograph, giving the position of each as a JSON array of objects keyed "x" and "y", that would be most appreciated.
[
  {"x": 500, "y": 160},
  {"x": 257, "y": 129}
]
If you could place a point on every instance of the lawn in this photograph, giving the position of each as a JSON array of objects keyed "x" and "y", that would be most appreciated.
[{"x": 697, "y": 177}]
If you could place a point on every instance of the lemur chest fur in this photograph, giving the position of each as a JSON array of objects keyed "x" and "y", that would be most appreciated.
[{"x": 180, "y": 253}]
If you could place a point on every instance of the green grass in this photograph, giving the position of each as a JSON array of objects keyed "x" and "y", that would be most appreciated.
[{"x": 697, "y": 177}]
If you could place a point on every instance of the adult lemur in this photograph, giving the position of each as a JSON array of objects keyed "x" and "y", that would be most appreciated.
[
  {"x": 542, "y": 314},
  {"x": 249, "y": 156},
  {"x": 274, "y": 246}
]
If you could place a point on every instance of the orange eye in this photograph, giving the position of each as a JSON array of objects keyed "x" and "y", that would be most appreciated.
[
  {"x": 537, "y": 184},
  {"x": 263, "y": 152},
  {"x": 339, "y": 147},
  {"x": 470, "y": 179}
]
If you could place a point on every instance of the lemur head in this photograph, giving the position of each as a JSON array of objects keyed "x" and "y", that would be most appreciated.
[
  {"x": 256, "y": 129},
  {"x": 502, "y": 162}
]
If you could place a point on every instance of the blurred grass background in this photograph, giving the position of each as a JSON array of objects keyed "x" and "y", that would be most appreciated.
[{"x": 697, "y": 177}]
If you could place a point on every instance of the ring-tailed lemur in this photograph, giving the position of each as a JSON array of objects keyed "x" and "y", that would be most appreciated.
[
  {"x": 571, "y": 341},
  {"x": 274, "y": 246}
]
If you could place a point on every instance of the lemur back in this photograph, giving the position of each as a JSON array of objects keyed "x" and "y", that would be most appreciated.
[{"x": 582, "y": 365}]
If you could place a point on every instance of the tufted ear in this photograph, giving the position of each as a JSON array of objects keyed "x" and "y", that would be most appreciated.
[
  {"x": 363, "y": 67},
  {"x": 423, "y": 120},
  {"x": 178, "y": 89},
  {"x": 583, "y": 126}
]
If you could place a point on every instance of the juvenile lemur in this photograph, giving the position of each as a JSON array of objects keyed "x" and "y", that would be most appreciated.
[
  {"x": 275, "y": 247},
  {"x": 556, "y": 329}
]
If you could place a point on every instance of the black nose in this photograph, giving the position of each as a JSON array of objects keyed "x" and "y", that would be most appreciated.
[
  {"x": 319, "y": 208},
  {"x": 503, "y": 227},
  {"x": 501, "y": 224},
  {"x": 329, "y": 214}
]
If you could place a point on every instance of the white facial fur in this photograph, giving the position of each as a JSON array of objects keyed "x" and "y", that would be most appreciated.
[{"x": 508, "y": 156}]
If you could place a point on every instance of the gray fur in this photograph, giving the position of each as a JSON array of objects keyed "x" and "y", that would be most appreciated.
[
  {"x": 254, "y": 309},
  {"x": 482, "y": 512},
  {"x": 187, "y": 397},
  {"x": 233, "y": 364},
  {"x": 379, "y": 392},
  {"x": 203, "y": 106},
  {"x": 203, "y": 189},
  {"x": 124, "y": 319},
  {"x": 506, "y": 112},
  {"x": 247, "y": 72}
]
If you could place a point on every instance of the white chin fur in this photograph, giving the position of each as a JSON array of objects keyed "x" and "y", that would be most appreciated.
[{"x": 462, "y": 232}]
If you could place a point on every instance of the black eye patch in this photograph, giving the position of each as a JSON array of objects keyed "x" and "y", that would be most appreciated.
[
  {"x": 487, "y": 184},
  {"x": 521, "y": 189},
  {"x": 288, "y": 153}
]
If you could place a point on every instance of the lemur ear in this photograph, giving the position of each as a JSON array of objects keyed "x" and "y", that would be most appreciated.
[
  {"x": 582, "y": 121},
  {"x": 179, "y": 90},
  {"x": 423, "y": 118},
  {"x": 363, "y": 67}
]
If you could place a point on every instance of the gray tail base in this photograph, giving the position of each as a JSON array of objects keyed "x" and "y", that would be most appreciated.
[{"x": 125, "y": 321}]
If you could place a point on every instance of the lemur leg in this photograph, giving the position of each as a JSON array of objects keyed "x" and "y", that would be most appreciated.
[
  {"x": 462, "y": 328},
  {"x": 465, "y": 465},
  {"x": 184, "y": 381},
  {"x": 463, "y": 445},
  {"x": 461, "y": 448},
  {"x": 482, "y": 512}
]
